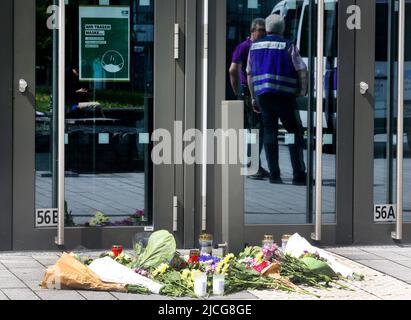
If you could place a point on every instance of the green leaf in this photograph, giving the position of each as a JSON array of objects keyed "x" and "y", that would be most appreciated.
[{"x": 161, "y": 248}]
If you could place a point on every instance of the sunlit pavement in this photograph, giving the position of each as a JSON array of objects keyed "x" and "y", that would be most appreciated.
[{"x": 387, "y": 272}]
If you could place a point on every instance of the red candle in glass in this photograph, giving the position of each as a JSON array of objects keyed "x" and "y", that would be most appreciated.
[
  {"x": 194, "y": 257},
  {"x": 117, "y": 250}
]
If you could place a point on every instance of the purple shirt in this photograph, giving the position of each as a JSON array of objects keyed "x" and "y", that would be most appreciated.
[{"x": 240, "y": 56}]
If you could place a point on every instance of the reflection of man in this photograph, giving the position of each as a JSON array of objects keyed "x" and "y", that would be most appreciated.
[
  {"x": 238, "y": 78},
  {"x": 74, "y": 92},
  {"x": 276, "y": 75},
  {"x": 77, "y": 98}
]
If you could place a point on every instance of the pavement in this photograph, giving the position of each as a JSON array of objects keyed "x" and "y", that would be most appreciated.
[{"x": 386, "y": 270}]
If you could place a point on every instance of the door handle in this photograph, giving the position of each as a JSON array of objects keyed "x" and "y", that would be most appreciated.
[
  {"x": 23, "y": 85},
  {"x": 364, "y": 88}
]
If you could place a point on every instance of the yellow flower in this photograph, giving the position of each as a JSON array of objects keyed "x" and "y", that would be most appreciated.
[
  {"x": 259, "y": 257},
  {"x": 186, "y": 274},
  {"x": 161, "y": 269},
  {"x": 225, "y": 269},
  {"x": 219, "y": 266}
]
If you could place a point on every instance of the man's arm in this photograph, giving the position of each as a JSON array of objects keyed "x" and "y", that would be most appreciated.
[
  {"x": 301, "y": 69},
  {"x": 251, "y": 86},
  {"x": 234, "y": 71},
  {"x": 302, "y": 82}
]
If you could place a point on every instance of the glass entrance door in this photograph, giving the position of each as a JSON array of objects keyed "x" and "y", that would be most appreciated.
[
  {"x": 281, "y": 197},
  {"x": 391, "y": 160},
  {"x": 108, "y": 109},
  {"x": 100, "y": 190}
]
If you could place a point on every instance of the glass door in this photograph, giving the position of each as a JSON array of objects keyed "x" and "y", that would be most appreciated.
[
  {"x": 281, "y": 197},
  {"x": 92, "y": 116},
  {"x": 389, "y": 117}
]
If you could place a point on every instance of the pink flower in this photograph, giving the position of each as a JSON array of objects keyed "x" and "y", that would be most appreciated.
[
  {"x": 249, "y": 262},
  {"x": 261, "y": 266}
]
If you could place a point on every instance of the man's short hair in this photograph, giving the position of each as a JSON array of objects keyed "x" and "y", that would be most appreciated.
[
  {"x": 257, "y": 22},
  {"x": 275, "y": 24}
]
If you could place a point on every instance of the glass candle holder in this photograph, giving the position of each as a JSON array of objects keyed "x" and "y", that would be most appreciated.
[
  {"x": 218, "y": 284},
  {"x": 206, "y": 244},
  {"x": 200, "y": 284}
]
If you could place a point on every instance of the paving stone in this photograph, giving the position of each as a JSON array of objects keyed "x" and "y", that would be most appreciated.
[
  {"x": 127, "y": 296},
  {"x": 29, "y": 274},
  {"x": 20, "y": 294},
  {"x": 361, "y": 256},
  {"x": 46, "y": 255},
  {"x": 47, "y": 262},
  {"x": 91, "y": 295},
  {"x": 14, "y": 256},
  {"x": 22, "y": 264},
  {"x": 59, "y": 295},
  {"x": 11, "y": 283},
  {"x": 34, "y": 285},
  {"x": 236, "y": 296},
  {"x": 405, "y": 263},
  {"x": 389, "y": 255},
  {"x": 5, "y": 274},
  {"x": 2, "y": 267},
  {"x": 3, "y": 296}
]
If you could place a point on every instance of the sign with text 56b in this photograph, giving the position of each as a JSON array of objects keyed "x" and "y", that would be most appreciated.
[
  {"x": 47, "y": 218},
  {"x": 385, "y": 213}
]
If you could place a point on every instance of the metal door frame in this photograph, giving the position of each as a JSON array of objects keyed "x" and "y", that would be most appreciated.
[
  {"x": 25, "y": 236},
  {"x": 6, "y": 124},
  {"x": 341, "y": 232}
]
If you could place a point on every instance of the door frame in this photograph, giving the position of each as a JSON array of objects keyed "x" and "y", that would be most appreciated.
[{"x": 25, "y": 236}]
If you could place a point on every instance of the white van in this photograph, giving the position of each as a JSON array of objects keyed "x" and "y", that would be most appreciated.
[{"x": 296, "y": 13}]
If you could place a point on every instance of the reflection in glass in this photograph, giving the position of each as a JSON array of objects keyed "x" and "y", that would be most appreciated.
[
  {"x": 385, "y": 116},
  {"x": 288, "y": 202}
]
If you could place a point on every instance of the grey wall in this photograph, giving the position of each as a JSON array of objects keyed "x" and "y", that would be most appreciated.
[{"x": 6, "y": 123}]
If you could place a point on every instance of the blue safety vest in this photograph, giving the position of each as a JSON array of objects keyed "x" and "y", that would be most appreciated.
[{"x": 272, "y": 67}]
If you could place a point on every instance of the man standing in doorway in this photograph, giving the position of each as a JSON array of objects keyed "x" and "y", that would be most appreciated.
[
  {"x": 238, "y": 78},
  {"x": 276, "y": 76}
]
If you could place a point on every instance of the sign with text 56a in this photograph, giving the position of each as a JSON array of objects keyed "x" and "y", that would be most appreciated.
[
  {"x": 47, "y": 218},
  {"x": 385, "y": 213}
]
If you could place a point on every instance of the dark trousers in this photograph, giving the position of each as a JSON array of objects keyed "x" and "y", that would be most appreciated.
[
  {"x": 252, "y": 120},
  {"x": 273, "y": 108}
]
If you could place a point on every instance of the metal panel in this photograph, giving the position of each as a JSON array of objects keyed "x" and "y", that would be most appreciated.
[
  {"x": 319, "y": 122},
  {"x": 164, "y": 108},
  {"x": 345, "y": 127},
  {"x": 398, "y": 234},
  {"x": 6, "y": 123},
  {"x": 179, "y": 116},
  {"x": 24, "y": 126},
  {"x": 232, "y": 182},
  {"x": 365, "y": 231}
]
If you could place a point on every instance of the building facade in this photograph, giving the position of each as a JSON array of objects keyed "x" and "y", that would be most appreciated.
[{"x": 96, "y": 114}]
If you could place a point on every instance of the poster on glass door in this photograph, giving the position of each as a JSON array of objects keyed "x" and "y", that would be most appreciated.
[{"x": 104, "y": 34}]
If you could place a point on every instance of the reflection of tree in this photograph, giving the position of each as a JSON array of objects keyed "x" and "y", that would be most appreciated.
[{"x": 44, "y": 42}]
